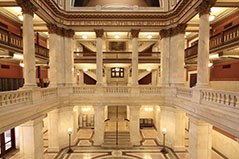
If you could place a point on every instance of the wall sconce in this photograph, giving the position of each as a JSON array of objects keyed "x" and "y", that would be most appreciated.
[
  {"x": 85, "y": 109},
  {"x": 148, "y": 109}
]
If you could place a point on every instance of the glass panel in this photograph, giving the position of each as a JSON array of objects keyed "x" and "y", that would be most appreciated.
[
  {"x": 7, "y": 136},
  {"x": 8, "y": 146}
]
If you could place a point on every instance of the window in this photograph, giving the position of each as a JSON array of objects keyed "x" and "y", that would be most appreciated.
[
  {"x": 7, "y": 141},
  {"x": 117, "y": 72}
]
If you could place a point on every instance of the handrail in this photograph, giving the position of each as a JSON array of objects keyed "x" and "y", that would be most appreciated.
[
  {"x": 217, "y": 40},
  {"x": 16, "y": 41}
]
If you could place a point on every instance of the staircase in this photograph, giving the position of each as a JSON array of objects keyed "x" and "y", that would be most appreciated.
[{"x": 117, "y": 140}]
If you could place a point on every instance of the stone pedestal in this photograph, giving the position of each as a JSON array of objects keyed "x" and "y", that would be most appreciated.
[
  {"x": 134, "y": 128},
  {"x": 99, "y": 127},
  {"x": 200, "y": 139},
  {"x": 29, "y": 69},
  {"x": 31, "y": 139},
  {"x": 99, "y": 56},
  {"x": 174, "y": 122},
  {"x": 135, "y": 56}
]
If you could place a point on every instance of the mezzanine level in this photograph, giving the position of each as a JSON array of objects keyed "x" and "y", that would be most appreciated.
[{"x": 219, "y": 108}]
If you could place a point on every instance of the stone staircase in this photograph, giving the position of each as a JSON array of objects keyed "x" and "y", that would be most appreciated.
[{"x": 111, "y": 141}]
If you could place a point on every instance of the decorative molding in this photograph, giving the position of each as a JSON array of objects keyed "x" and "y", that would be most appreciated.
[
  {"x": 99, "y": 33},
  {"x": 179, "y": 29},
  {"x": 135, "y": 33},
  {"x": 54, "y": 29},
  {"x": 27, "y": 7},
  {"x": 205, "y": 6}
]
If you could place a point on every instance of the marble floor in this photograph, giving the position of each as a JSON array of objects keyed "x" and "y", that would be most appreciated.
[{"x": 83, "y": 149}]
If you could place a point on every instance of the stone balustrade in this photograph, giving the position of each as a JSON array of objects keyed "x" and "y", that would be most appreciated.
[
  {"x": 222, "y": 98},
  {"x": 15, "y": 97},
  {"x": 47, "y": 93},
  {"x": 183, "y": 92}
]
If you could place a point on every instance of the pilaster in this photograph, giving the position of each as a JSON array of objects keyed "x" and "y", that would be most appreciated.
[
  {"x": 99, "y": 128},
  {"x": 135, "y": 56},
  {"x": 99, "y": 56},
  {"x": 135, "y": 136}
]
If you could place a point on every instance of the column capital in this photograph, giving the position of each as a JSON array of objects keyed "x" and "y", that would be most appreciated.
[
  {"x": 205, "y": 6},
  {"x": 179, "y": 29},
  {"x": 69, "y": 33},
  {"x": 54, "y": 29},
  {"x": 27, "y": 7},
  {"x": 135, "y": 33},
  {"x": 99, "y": 33}
]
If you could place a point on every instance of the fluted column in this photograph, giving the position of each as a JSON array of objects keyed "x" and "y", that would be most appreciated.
[
  {"x": 135, "y": 56},
  {"x": 31, "y": 139},
  {"x": 200, "y": 139},
  {"x": 99, "y": 56},
  {"x": 134, "y": 128},
  {"x": 203, "y": 43},
  {"x": 165, "y": 54},
  {"x": 99, "y": 127},
  {"x": 29, "y": 69}
]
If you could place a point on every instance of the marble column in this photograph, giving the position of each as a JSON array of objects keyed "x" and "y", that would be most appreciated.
[
  {"x": 56, "y": 57},
  {"x": 203, "y": 43},
  {"x": 68, "y": 57},
  {"x": 99, "y": 127},
  {"x": 165, "y": 50},
  {"x": 65, "y": 121},
  {"x": 31, "y": 139},
  {"x": 53, "y": 141},
  {"x": 99, "y": 56},
  {"x": 174, "y": 122},
  {"x": 200, "y": 139},
  {"x": 177, "y": 55},
  {"x": 29, "y": 69},
  {"x": 134, "y": 128},
  {"x": 135, "y": 56},
  {"x": 154, "y": 77}
]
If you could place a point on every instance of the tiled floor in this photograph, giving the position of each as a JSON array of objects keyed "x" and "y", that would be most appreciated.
[{"x": 149, "y": 149}]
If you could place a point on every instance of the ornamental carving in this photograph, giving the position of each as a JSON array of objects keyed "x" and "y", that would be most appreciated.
[
  {"x": 179, "y": 29},
  {"x": 135, "y": 33},
  {"x": 205, "y": 6},
  {"x": 99, "y": 33},
  {"x": 54, "y": 29},
  {"x": 27, "y": 6},
  {"x": 69, "y": 33}
]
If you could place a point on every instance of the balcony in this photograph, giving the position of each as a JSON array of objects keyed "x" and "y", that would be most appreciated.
[
  {"x": 14, "y": 43},
  {"x": 114, "y": 57},
  {"x": 227, "y": 39}
]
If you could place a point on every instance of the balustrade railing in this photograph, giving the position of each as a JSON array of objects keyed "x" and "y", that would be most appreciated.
[
  {"x": 16, "y": 41},
  {"x": 117, "y": 90},
  {"x": 84, "y": 90},
  {"x": 15, "y": 97},
  {"x": 150, "y": 90},
  {"x": 228, "y": 99},
  {"x": 225, "y": 37}
]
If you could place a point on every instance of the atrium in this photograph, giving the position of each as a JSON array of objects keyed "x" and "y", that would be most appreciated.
[{"x": 123, "y": 79}]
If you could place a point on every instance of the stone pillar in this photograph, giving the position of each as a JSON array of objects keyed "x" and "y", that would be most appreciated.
[
  {"x": 99, "y": 127},
  {"x": 203, "y": 43},
  {"x": 29, "y": 69},
  {"x": 135, "y": 56},
  {"x": 31, "y": 139},
  {"x": 68, "y": 57},
  {"x": 154, "y": 77},
  {"x": 177, "y": 55},
  {"x": 53, "y": 136},
  {"x": 65, "y": 121},
  {"x": 200, "y": 139},
  {"x": 165, "y": 55},
  {"x": 56, "y": 57},
  {"x": 174, "y": 121},
  {"x": 99, "y": 56},
  {"x": 134, "y": 128}
]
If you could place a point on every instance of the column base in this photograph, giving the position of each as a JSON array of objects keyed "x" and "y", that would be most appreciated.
[
  {"x": 53, "y": 149},
  {"x": 179, "y": 148},
  {"x": 29, "y": 86},
  {"x": 202, "y": 85}
]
